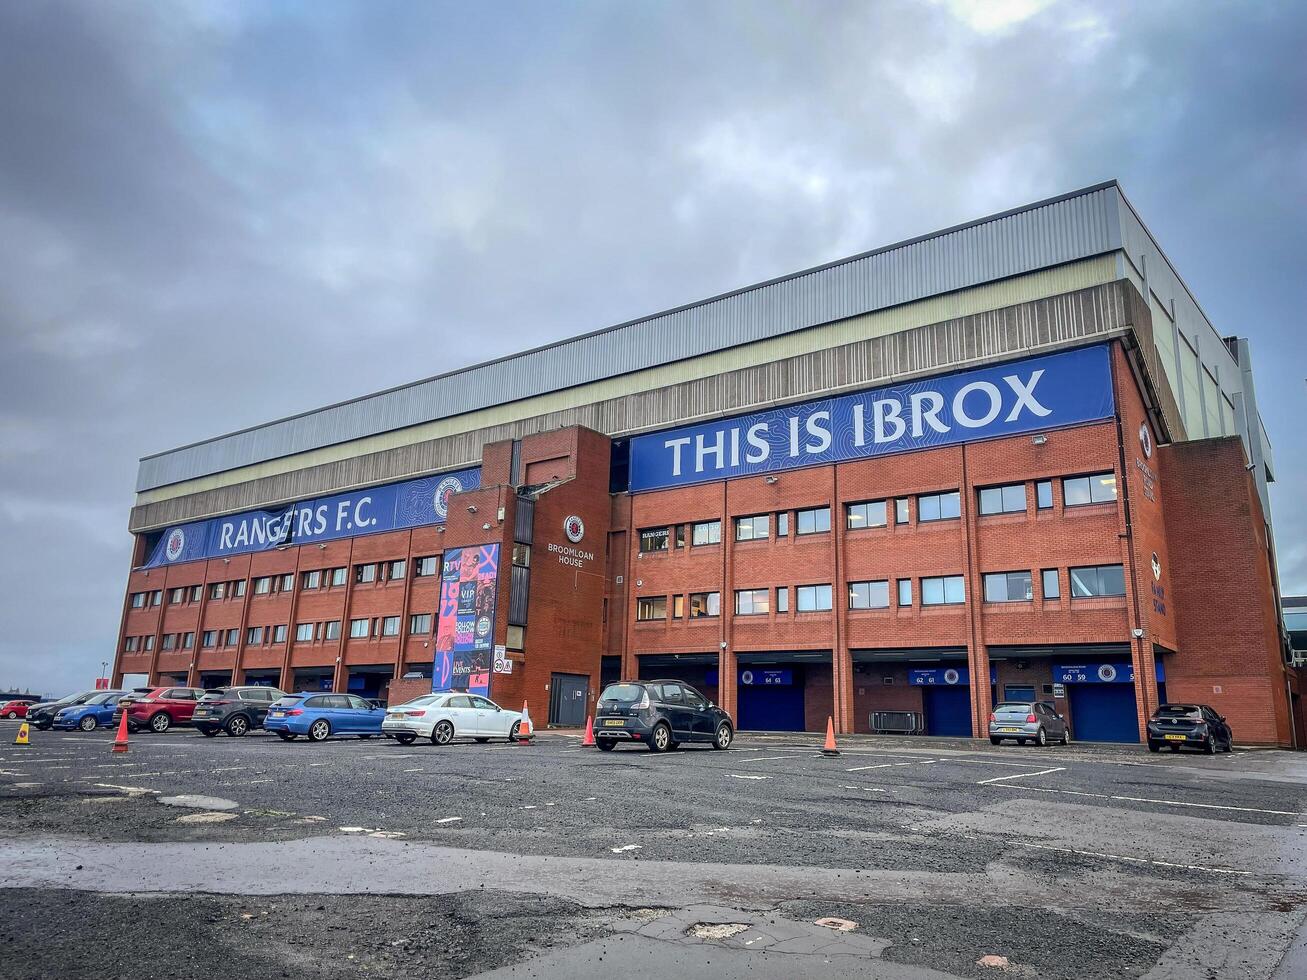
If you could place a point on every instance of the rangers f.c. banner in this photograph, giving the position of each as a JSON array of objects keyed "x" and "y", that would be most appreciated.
[{"x": 465, "y": 628}]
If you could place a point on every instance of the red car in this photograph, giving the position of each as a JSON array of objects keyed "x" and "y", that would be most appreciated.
[
  {"x": 160, "y": 709},
  {"x": 15, "y": 709}
]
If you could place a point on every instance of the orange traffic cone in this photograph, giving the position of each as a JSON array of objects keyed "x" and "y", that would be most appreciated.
[
  {"x": 524, "y": 732},
  {"x": 829, "y": 748},
  {"x": 120, "y": 743},
  {"x": 21, "y": 738},
  {"x": 589, "y": 732}
]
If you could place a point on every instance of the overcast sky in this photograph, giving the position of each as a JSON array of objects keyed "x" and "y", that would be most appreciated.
[{"x": 215, "y": 214}]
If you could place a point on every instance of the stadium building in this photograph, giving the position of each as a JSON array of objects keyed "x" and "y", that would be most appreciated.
[{"x": 1010, "y": 459}]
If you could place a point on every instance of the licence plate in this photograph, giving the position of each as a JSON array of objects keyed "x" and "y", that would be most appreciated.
[
  {"x": 613, "y": 723},
  {"x": 1009, "y": 729},
  {"x": 276, "y": 714},
  {"x": 1174, "y": 738}
]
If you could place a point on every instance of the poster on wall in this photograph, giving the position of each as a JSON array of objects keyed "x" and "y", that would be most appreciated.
[{"x": 465, "y": 629}]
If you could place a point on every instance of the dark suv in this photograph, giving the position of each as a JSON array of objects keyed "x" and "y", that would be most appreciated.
[
  {"x": 662, "y": 714},
  {"x": 234, "y": 710},
  {"x": 1195, "y": 725}
]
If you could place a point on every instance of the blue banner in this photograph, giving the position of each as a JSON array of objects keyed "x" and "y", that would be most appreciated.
[
  {"x": 1114, "y": 673},
  {"x": 1032, "y": 395},
  {"x": 753, "y": 677},
  {"x": 391, "y": 507},
  {"x": 942, "y": 676}
]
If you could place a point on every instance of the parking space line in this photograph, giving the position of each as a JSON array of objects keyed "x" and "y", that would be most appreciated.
[
  {"x": 1140, "y": 799},
  {"x": 1021, "y": 775},
  {"x": 883, "y": 765},
  {"x": 736, "y": 775},
  {"x": 1132, "y": 860}
]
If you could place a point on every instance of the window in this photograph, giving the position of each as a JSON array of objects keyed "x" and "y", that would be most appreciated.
[
  {"x": 1295, "y": 621},
  {"x": 419, "y": 625},
  {"x": 868, "y": 514},
  {"x": 678, "y": 535},
  {"x": 938, "y": 506},
  {"x": 944, "y": 590},
  {"x": 279, "y": 633},
  {"x": 424, "y": 567},
  {"x": 521, "y": 555},
  {"x": 188, "y": 641},
  {"x": 332, "y": 629},
  {"x": 390, "y": 626},
  {"x": 782, "y": 598},
  {"x": 303, "y": 632},
  {"x": 706, "y": 532},
  {"x": 705, "y": 604},
  {"x": 1052, "y": 588},
  {"x": 869, "y": 595},
  {"x": 217, "y": 590},
  {"x": 1010, "y": 499},
  {"x": 233, "y": 637},
  {"x": 358, "y": 628},
  {"x": 169, "y": 641},
  {"x": 209, "y": 638},
  {"x": 395, "y": 571},
  {"x": 176, "y": 597},
  {"x": 236, "y": 589},
  {"x": 752, "y": 528},
  {"x": 311, "y": 580},
  {"x": 651, "y": 607},
  {"x": 338, "y": 576},
  {"x": 516, "y": 639},
  {"x": 814, "y": 521},
  {"x": 1096, "y": 489},
  {"x": 1097, "y": 580},
  {"x": 263, "y": 585},
  {"x": 130, "y": 643},
  {"x": 678, "y": 607},
  {"x": 138, "y": 600},
  {"x": 365, "y": 573},
  {"x": 285, "y": 583},
  {"x": 1008, "y": 587},
  {"x": 783, "y": 524},
  {"x": 653, "y": 539},
  {"x": 254, "y": 636},
  {"x": 752, "y": 602},
  {"x": 147, "y": 643},
  {"x": 901, "y": 510},
  {"x": 813, "y": 598},
  {"x": 156, "y": 597},
  {"x": 905, "y": 592}
]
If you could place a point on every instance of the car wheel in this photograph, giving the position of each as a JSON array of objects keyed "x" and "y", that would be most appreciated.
[
  {"x": 483, "y": 741},
  {"x": 1154, "y": 747},
  {"x": 319, "y": 730},
  {"x": 209, "y": 732},
  {"x": 1229, "y": 744},
  {"x": 515, "y": 731},
  {"x": 405, "y": 738},
  {"x": 286, "y": 736},
  {"x": 661, "y": 739},
  {"x": 606, "y": 744},
  {"x": 237, "y": 725},
  {"x": 11, "y": 715},
  {"x": 1066, "y": 737},
  {"x": 443, "y": 733},
  {"x": 995, "y": 741},
  {"x": 1041, "y": 738},
  {"x": 88, "y": 724},
  {"x": 1209, "y": 747},
  {"x": 160, "y": 723},
  {"x": 724, "y": 737}
]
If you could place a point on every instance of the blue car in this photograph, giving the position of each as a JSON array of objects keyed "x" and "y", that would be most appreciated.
[
  {"x": 319, "y": 716},
  {"x": 94, "y": 712}
]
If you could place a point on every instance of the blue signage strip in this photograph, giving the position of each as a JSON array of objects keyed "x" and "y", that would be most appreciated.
[
  {"x": 391, "y": 507},
  {"x": 753, "y": 677},
  {"x": 1038, "y": 393},
  {"x": 1094, "y": 673},
  {"x": 942, "y": 676}
]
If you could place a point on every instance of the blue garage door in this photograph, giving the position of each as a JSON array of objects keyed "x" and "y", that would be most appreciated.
[
  {"x": 948, "y": 710},
  {"x": 777, "y": 708},
  {"x": 1103, "y": 712}
]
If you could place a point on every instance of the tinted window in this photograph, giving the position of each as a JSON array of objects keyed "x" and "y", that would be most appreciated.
[
  {"x": 338, "y": 701},
  {"x": 622, "y": 693},
  {"x": 357, "y": 703},
  {"x": 672, "y": 694},
  {"x": 318, "y": 702},
  {"x": 1023, "y": 706},
  {"x": 693, "y": 698}
]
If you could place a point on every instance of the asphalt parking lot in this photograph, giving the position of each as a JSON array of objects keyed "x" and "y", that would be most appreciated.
[{"x": 551, "y": 860}]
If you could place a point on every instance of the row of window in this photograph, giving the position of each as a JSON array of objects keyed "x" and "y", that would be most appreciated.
[
  {"x": 1090, "y": 581},
  {"x": 419, "y": 625}
]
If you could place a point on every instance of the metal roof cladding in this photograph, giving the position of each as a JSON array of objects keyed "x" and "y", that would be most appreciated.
[{"x": 1077, "y": 225}]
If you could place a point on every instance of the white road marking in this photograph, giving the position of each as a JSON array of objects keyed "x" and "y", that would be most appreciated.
[
  {"x": 1132, "y": 860},
  {"x": 883, "y": 765},
  {"x": 1021, "y": 775},
  {"x": 127, "y": 789},
  {"x": 625, "y": 847},
  {"x": 773, "y": 758},
  {"x": 1140, "y": 799},
  {"x": 736, "y": 775},
  {"x": 530, "y": 806},
  {"x": 869, "y": 789},
  {"x": 449, "y": 820},
  {"x": 414, "y": 770}
]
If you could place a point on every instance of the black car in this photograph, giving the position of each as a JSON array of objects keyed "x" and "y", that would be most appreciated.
[
  {"x": 234, "y": 710},
  {"x": 662, "y": 714},
  {"x": 41, "y": 715},
  {"x": 1195, "y": 725}
]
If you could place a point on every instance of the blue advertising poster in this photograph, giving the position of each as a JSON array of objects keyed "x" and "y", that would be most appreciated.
[
  {"x": 943, "y": 676},
  {"x": 753, "y": 676},
  {"x": 465, "y": 629},
  {"x": 1039, "y": 393},
  {"x": 391, "y": 507},
  {"x": 1114, "y": 673}
]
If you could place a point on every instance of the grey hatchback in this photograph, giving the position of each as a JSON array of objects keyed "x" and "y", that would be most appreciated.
[{"x": 1034, "y": 721}]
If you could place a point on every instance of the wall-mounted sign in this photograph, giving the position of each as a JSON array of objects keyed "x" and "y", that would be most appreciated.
[
  {"x": 574, "y": 528},
  {"x": 1034, "y": 394},
  {"x": 391, "y": 507},
  {"x": 942, "y": 676},
  {"x": 469, "y": 586},
  {"x": 754, "y": 677}
]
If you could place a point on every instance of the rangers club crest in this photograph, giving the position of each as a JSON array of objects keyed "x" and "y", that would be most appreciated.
[
  {"x": 176, "y": 544},
  {"x": 1106, "y": 673},
  {"x": 951, "y": 676},
  {"x": 1157, "y": 567},
  {"x": 450, "y": 484},
  {"x": 574, "y": 528},
  {"x": 1146, "y": 441}
]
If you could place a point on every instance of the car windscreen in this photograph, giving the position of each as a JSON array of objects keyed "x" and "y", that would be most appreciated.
[
  {"x": 101, "y": 698},
  {"x": 424, "y": 699},
  {"x": 1013, "y": 707},
  {"x": 289, "y": 701},
  {"x": 1178, "y": 711},
  {"x": 214, "y": 696},
  {"x": 622, "y": 693}
]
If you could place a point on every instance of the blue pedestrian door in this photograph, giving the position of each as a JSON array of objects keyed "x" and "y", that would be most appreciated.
[
  {"x": 948, "y": 710},
  {"x": 1103, "y": 712}
]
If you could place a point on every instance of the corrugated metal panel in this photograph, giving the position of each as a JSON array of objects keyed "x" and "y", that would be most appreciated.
[
  {"x": 1061, "y": 230},
  {"x": 519, "y": 594},
  {"x": 524, "y": 520}
]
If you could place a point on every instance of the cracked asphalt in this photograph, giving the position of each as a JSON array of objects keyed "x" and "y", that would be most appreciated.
[{"x": 369, "y": 858}]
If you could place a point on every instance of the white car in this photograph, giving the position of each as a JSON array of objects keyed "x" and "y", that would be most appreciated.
[{"x": 445, "y": 717}]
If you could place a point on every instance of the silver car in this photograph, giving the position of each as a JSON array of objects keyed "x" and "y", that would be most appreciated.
[{"x": 1034, "y": 721}]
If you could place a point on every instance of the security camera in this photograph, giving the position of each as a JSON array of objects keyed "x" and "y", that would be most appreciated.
[{"x": 1250, "y": 467}]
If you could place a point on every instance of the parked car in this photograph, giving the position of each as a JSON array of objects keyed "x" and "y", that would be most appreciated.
[
  {"x": 41, "y": 714},
  {"x": 319, "y": 716},
  {"x": 16, "y": 708},
  {"x": 444, "y": 717},
  {"x": 94, "y": 712},
  {"x": 662, "y": 714},
  {"x": 1027, "y": 721},
  {"x": 234, "y": 710},
  {"x": 159, "y": 709},
  {"x": 1195, "y": 725}
]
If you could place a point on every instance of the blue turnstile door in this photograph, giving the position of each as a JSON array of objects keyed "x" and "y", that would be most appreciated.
[
  {"x": 1103, "y": 712},
  {"x": 777, "y": 708},
  {"x": 948, "y": 710}
]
